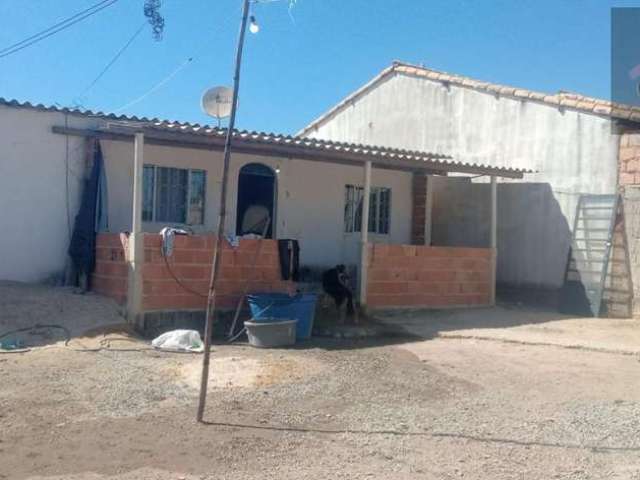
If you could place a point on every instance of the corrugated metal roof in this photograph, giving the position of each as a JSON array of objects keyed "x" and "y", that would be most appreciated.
[
  {"x": 568, "y": 100},
  {"x": 317, "y": 147}
]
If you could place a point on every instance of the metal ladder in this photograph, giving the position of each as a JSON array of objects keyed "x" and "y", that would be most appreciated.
[{"x": 589, "y": 255}]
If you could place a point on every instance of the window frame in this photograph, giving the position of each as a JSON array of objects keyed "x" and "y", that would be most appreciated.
[
  {"x": 353, "y": 211},
  {"x": 188, "y": 191}
]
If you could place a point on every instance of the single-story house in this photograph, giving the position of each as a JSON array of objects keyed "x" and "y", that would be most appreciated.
[
  {"x": 577, "y": 145},
  {"x": 314, "y": 190}
]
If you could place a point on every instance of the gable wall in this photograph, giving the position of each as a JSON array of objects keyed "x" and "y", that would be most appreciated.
[{"x": 574, "y": 153}]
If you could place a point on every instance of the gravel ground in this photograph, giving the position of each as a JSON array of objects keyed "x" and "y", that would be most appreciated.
[
  {"x": 396, "y": 408},
  {"x": 336, "y": 409}
]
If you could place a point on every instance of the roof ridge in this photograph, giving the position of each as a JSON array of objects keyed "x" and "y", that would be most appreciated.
[
  {"x": 404, "y": 67},
  {"x": 560, "y": 99}
]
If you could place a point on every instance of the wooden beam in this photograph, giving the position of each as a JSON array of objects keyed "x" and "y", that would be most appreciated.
[{"x": 267, "y": 149}]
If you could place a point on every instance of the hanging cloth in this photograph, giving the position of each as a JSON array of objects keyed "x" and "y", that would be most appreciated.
[
  {"x": 289, "y": 251},
  {"x": 92, "y": 214}
]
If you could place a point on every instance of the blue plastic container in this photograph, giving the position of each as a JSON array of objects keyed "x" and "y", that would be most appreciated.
[{"x": 280, "y": 306}]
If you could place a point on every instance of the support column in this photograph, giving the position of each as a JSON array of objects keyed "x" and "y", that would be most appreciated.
[
  {"x": 364, "y": 235},
  {"x": 494, "y": 238},
  {"x": 428, "y": 211},
  {"x": 135, "y": 257}
]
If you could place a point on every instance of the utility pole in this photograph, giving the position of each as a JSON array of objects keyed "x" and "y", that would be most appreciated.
[{"x": 215, "y": 268}]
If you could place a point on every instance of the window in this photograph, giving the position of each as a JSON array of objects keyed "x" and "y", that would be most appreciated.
[
  {"x": 173, "y": 195},
  {"x": 379, "y": 209}
]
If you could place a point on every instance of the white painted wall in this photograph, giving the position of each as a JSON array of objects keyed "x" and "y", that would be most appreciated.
[
  {"x": 310, "y": 206},
  {"x": 33, "y": 192},
  {"x": 574, "y": 153}
]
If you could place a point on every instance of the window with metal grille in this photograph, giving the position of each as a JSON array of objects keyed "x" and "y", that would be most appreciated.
[
  {"x": 379, "y": 209},
  {"x": 173, "y": 195}
]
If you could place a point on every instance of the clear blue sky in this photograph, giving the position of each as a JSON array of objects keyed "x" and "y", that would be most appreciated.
[{"x": 294, "y": 70}]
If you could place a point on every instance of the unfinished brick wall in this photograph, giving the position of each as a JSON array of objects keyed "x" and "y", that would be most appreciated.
[
  {"x": 629, "y": 159},
  {"x": 419, "y": 210},
  {"x": 618, "y": 294},
  {"x": 422, "y": 276},
  {"x": 191, "y": 264},
  {"x": 111, "y": 272}
]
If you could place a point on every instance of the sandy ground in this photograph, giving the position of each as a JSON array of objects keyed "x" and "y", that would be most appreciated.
[
  {"x": 25, "y": 305},
  {"x": 521, "y": 325},
  {"x": 434, "y": 408}
]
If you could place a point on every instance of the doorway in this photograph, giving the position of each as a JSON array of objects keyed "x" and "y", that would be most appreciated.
[{"x": 256, "y": 194}]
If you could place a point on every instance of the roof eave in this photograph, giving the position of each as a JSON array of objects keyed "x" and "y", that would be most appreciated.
[{"x": 252, "y": 144}]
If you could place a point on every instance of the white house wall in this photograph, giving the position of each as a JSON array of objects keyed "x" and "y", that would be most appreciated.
[
  {"x": 310, "y": 206},
  {"x": 33, "y": 193},
  {"x": 573, "y": 152}
]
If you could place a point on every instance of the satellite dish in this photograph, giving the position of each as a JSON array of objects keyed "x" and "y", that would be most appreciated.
[{"x": 216, "y": 102}]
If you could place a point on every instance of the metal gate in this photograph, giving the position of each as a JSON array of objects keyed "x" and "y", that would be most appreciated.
[{"x": 589, "y": 255}]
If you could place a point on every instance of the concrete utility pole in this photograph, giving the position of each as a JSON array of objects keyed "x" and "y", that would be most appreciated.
[{"x": 211, "y": 300}]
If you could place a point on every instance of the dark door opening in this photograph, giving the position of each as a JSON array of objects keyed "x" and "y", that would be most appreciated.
[{"x": 256, "y": 199}]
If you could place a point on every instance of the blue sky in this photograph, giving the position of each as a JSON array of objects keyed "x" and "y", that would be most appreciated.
[{"x": 295, "y": 69}]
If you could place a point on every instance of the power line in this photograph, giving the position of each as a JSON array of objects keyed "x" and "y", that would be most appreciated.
[
  {"x": 58, "y": 27},
  {"x": 113, "y": 60},
  {"x": 156, "y": 86}
]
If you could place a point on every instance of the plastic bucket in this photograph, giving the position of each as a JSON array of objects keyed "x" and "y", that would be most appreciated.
[
  {"x": 279, "y": 333},
  {"x": 267, "y": 307}
]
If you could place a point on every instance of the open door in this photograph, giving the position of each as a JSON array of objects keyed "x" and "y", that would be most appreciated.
[{"x": 256, "y": 200}]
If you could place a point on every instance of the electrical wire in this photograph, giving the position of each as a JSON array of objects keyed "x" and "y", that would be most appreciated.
[
  {"x": 113, "y": 60},
  {"x": 156, "y": 86},
  {"x": 179, "y": 282},
  {"x": 58, "y": 27}
]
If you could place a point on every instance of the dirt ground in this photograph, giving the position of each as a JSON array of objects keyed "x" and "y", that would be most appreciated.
[{"x": 397, "y": 408}]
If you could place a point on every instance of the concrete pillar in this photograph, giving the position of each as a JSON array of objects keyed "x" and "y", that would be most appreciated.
[
  {"x": 135, "y": 257},
  {"x": 364, "y": 235},
  {"x": 494, "y": 238},
  {"x": 428, "y": 210}
]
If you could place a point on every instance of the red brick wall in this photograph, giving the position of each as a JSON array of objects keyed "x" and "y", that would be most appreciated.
[
  {"x": 110, "y": 275},
  {"x": 629, "y": 159},
  {"x": 422, "y": 276},
  {"x": 191, "y": 264}
]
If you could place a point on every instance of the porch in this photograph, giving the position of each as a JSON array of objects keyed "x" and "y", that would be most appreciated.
[{"x": 394, "y": 263}]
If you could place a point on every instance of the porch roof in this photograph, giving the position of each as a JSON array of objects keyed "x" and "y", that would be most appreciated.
[
  {"x": 193, "y": 135},
  {"x": 186, "y": 135}
]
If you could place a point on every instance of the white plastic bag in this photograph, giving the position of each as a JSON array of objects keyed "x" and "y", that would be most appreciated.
[{"x": 180, "y": 341}]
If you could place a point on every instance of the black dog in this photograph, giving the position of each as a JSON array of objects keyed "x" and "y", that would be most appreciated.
[{"x": 335, "y": 283}]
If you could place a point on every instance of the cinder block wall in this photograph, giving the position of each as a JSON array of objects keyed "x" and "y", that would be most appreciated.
[
  {"x": 623, "y": 286},
  {"x": 422, "y": 276},
  {"x": 629, "y": 159},
  {"x": 191, "y": 264},
  {"x": 111, "y": 272}
]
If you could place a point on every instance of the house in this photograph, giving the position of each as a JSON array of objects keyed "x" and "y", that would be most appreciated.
[
  {"x": 315, "y": 192},
  {"x": 575, "y": 144}
]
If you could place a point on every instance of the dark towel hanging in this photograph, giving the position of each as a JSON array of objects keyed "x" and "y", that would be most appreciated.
[
  {"x": 82, "y": 248},
  {"x": 289, "y": 251}
]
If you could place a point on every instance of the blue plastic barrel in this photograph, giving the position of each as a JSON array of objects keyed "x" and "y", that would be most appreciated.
[{"x": 280, "y": 306}]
